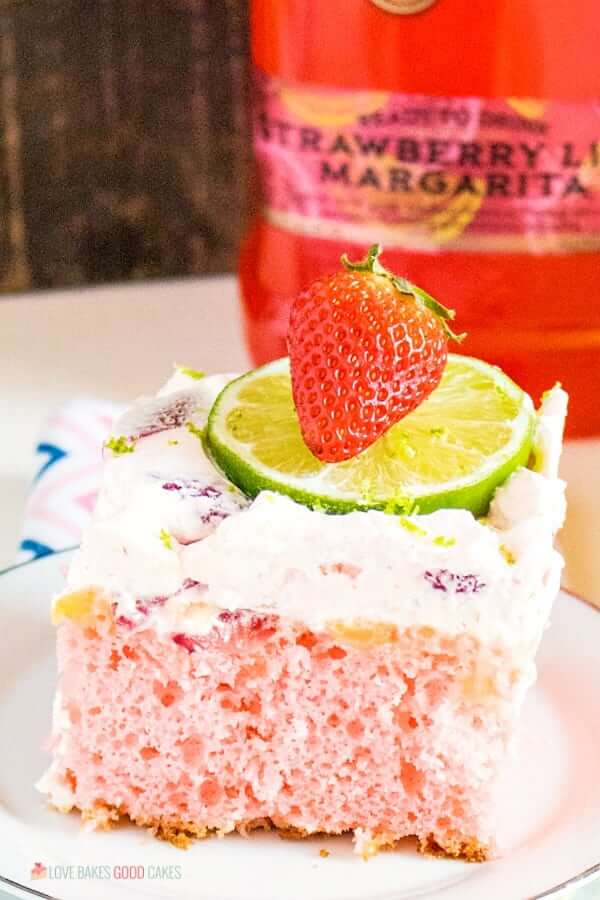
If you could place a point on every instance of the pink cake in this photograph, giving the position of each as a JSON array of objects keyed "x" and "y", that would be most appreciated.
[{"x": 228, "y": 664}]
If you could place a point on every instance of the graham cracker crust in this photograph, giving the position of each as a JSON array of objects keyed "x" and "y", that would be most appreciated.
[
  {"x": 181, "y": 834},
  {"x": 459, "y": 847}
]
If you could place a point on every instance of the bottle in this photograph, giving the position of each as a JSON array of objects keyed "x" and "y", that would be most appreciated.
[{"x": 465, "y": 138}]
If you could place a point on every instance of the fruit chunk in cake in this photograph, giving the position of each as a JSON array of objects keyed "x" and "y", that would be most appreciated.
[{"x": 233, "y": 659}]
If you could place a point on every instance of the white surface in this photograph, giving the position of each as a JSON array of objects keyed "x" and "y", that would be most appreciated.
[
  {"x": 118, "y": 341},
  {"x": 550, "y": 807}
]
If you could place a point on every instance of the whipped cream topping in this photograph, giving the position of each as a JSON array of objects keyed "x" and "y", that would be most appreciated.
[{"x": 173, "y": 542}]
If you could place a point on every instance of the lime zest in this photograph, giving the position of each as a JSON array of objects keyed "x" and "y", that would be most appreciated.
[
  {"x": 411, "y": 526},
  {"x": 508, "y": 555},
  {"x": 121, "y": 444},
  {"x": 172, "y": 442},
  {"x": 195, "y": 430},
  {"x": 166, "y": 538},
  {"x": 443, "y": 541},
  {"x": 196, "y": 374}
]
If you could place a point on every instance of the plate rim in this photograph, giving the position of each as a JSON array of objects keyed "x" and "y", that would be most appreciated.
[
  {"x": 37, "y": 559},
  {"x": 580, "y": 879}
]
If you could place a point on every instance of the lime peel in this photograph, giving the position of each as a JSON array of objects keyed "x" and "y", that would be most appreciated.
[{"x": 253, "y": 436}]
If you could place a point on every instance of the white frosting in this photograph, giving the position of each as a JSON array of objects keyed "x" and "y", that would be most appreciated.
[
  {"x": 550, "y": 426},
  {"x": 315, "y": 568},
  {"x": 168, "y": 525},
  {"x": 154, "y": 491},
  {"x": 207, "y": 387}
]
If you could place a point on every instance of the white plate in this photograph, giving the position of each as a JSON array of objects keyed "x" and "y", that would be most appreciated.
[{"x": 550, "y": 815}]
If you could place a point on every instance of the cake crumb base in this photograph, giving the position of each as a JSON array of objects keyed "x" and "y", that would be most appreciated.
[
  {"x": 458, "y": 847},
  {"x": 181, "y": 834}
]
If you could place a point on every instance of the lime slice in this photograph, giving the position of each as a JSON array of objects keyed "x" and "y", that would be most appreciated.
[{"x": 452, "y": 451}]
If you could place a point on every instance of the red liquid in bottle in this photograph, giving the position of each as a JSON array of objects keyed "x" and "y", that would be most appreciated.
[{"x": 465, "y": 139}]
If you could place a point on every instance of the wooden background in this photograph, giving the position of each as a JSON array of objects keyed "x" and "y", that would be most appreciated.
[{"x": 124, "y": 147}]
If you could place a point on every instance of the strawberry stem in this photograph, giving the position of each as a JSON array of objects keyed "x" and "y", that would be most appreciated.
[{"x": 371, "y": 264}]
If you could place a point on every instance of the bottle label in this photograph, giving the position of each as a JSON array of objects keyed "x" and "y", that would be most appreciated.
[
  {"x": 404, "y": 7},
  {"x": 427, "y": 173}
]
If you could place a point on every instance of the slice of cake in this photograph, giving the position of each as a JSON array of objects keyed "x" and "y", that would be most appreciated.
[{"x": 233, "y": 655}]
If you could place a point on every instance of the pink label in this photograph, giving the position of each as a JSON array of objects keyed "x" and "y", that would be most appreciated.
[{"x": 510, "y": 175}]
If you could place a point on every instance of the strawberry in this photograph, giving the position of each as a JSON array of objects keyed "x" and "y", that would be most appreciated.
[{"x": 366, "y": 348}]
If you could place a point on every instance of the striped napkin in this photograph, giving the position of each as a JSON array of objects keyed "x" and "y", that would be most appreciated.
[{"x": 66, "y": 483}]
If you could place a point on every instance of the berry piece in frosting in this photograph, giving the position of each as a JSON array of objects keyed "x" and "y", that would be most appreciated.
[
  {"x": 199, "y": 507},
  {"x": 187, "y": 641},
  {"x": 191, "y": 487},
  {"x": 452, "y": 582},
  {"x": 366, "y": 348},
  {"x": 158, "y": 414}
]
